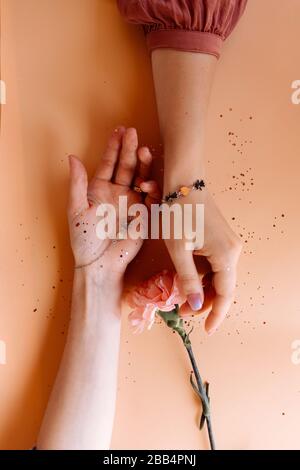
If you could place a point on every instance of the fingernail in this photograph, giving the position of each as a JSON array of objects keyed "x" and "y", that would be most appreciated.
[{"x": 195, "y": 301}]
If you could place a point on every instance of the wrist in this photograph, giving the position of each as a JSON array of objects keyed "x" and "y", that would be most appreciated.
[
  {"x": 96, "y": 298},
  {"x": 100, "y": 277},
  {"x": 182, "y": 170}
]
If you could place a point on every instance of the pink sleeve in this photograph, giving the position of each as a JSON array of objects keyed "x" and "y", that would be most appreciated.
[{"x": 186, "y": 25}]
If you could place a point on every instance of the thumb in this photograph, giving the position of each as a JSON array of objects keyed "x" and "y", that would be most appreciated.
[
  {"x": 188, "y": 278},
  {"x": 78, "y": 186}
]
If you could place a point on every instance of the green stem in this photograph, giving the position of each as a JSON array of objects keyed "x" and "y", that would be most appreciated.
[
  {"x": 204, "y": 397},
  {"x": 173, "y": 321}
]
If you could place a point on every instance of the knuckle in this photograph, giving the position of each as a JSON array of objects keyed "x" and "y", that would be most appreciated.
[
  {"x": 107, "y": 162},
  {"x": 127, "y": 164},
  {"x": 238, "y": 244},
  {"x": 113, "y": 144},
  {"x": 234, "y": 248},
  {"x": 189, "y": 281},
  {"x": 187, "y": 277}
]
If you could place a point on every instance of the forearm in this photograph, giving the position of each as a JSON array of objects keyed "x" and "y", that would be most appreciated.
[
  {"x": 182, "y": 85},
  {"x": 80, "y": 412}
]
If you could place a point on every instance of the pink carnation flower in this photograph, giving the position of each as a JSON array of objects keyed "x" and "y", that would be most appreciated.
[{"x": 160, "y": 292}]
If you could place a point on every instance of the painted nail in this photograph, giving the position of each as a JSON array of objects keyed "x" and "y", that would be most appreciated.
[{"x": 194, "y": 301}]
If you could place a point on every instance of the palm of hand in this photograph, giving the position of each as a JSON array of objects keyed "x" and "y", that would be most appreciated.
[
  {"x": 121, "y": 164},
  {"x": 87, "y": 246}
]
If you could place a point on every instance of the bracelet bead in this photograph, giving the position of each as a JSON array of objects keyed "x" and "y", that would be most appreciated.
[{"x": 184, "y": 191}]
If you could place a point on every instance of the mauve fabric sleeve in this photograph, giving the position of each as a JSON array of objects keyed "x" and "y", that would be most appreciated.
[{"x": 186, "y": 25}]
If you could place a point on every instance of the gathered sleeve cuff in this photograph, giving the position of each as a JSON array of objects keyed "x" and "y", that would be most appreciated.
[{"x": 185, "y": 25}]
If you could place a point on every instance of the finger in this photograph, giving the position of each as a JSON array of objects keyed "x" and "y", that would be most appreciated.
[
  {"x": 209, "y": 293},
  {"x": 188, "y": 277},
  {"x": 128, "y": 158},
  {"x": 145, "y": 162},
  {"x": 78, "y": 186},
  {"x": 152, "y": 189},
  {"x": 224, "y": 284},
  {"x": 109, "y": 159},
  {"x": 186, "y": 311}
]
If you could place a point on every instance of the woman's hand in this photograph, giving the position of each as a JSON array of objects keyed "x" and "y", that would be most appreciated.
[
  {"x": 221, "y": 248},
  {"x": 80, "y": 411},
  {"x": 113, "y": 178},
  {"x": 182, "y": 84}
]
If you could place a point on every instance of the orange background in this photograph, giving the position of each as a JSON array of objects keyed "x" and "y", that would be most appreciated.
[{"x": 73, "y": 71}]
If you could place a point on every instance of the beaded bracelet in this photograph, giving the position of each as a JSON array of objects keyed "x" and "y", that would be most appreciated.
[{"x": 184, "y": 191}]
